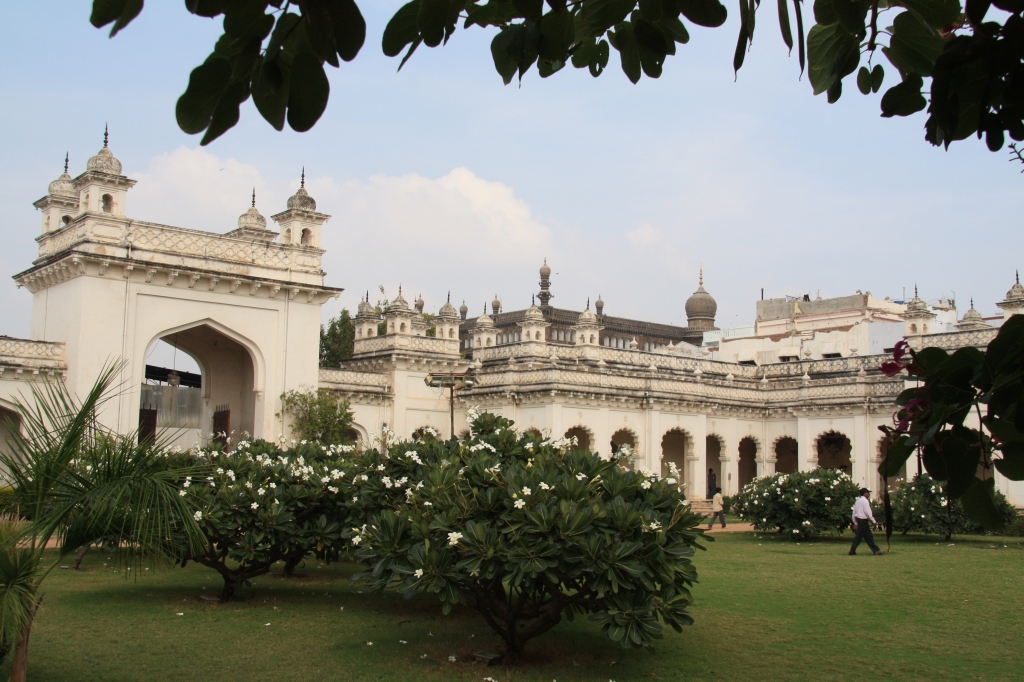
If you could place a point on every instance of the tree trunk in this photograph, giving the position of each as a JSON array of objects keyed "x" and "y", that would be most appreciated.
[
  {"x": 81, "y": 555},
  {"x": 290, "y": 563},
  {"x": 228, "y": 592},
  {"x": 19, "y": 670}
]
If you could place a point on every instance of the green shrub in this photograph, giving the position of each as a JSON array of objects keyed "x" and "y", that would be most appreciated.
[
  {"x": 801, "y": 505},
  {"x": 319, "y": 415},
  {"x": 526, "y": 531},
  {"x": 920, "y": 506},
  {"x": 261, "y": 504},
  {"x": 8, "y": 503}
]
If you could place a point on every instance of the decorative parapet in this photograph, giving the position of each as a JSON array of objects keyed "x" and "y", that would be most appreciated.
[
  {"x": 349, "y": 381},
  {"x": 392, "y": 343},
  {"x": 977, "y": 338},
  {"x": 34, "y": 357}
]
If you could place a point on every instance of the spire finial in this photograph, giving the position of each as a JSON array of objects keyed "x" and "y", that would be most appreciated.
[
  {"x": 588, "y": 303},
  {"x": 700, "y": 282},
  {"x": 254, "y": 197},
  {"x": 915, "y": 290},
  {"x": 399, "y": 289},
  {"x": 533, "y": 299},
  {"x": 449, "y": 297},
  {"x": 972, "y": 303},
  {"x": 106, "y": 135},
  {"x": 65, "y": 162},
  {"x": 302, "y": 185},
  {"x": 1018, "y": 276}
]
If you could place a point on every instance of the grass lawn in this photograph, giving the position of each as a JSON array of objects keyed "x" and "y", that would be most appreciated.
[{"x": 766, "y": 609}]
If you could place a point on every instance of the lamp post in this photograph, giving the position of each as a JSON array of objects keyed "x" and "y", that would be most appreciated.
[{"x": 451, "y": 381}]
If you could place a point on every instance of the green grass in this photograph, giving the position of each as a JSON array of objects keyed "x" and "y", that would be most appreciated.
[{"x": 766, "y": 609}]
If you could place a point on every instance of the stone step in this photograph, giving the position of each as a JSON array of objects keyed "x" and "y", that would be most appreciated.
[{"x": 701, "y": 507}]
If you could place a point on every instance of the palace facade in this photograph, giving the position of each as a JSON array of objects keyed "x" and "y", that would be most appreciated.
[{"x": 798, "y": 389}]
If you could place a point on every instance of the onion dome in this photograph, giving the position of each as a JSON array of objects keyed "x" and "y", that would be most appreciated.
[
  {"x": 301, "y": 201},
  {"x": 63, "y": 186},
  {"x": 599, "y": 305},
  {"x": 251, "y": 219},
  {"x": 419, "y": 303},
  {"x": 104, "y": 161},
  {"x": 463, "y": 310},
  {"x": 399, "y": 303},
  {"x": 701, "y": 307},
  {"x": 447, "y": 311},
  {"x": 545, "y": 271},
  {"x": 496, "y": 305}
]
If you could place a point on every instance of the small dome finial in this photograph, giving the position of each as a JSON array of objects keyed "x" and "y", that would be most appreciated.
[
  {"x": 588, "y": 303},
  {"x": 65, "y": 162},
  {"x": 302, "y": 185},
  {"x": 254, "y": 197},
  {"x": 1018, "y": 276},
  {"x": 700, "y": 281},
  {"x": 915, "y": 290},
  {"x": 533, "y": 299},
  {"x": 449, "y": 297},
  {"x": 106, "y": 135}
]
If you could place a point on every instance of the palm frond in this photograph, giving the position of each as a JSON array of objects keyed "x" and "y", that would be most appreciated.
[{"x": 19, "y": 582}]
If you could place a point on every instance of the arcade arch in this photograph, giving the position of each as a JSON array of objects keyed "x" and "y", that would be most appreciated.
[
  {"x": 625, "y": 437},
  {"x": 833, "y": 450},
  {"x": 674, "y": 449},
  {"x": 786, "y": 450},
  {"x": 713, "y": 449},
  {"x": 584, "y": 437},
  {"x": 747, "y": 462}
]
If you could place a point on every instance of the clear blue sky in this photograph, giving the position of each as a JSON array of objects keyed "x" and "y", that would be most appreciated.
[{"x": 442, "y": 179}]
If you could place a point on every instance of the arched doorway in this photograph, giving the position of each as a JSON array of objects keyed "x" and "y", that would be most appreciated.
[
  {"x": 786, "y": 455},
  {"x": 713, "y": 450},
  {"x": 673, "y": 451},
  {"x": 834, "y": 451},
  {"x": 582, "y": 435},
  {"x": 624, "y": 437},
  {"x": 747, "y": 461},
  {"x": 187, "y": 406}
]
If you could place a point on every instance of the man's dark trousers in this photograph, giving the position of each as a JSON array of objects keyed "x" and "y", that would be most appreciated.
[{"x": 864, "y": 533}]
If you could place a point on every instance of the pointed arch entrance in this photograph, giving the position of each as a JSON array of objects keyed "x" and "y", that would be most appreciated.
[
  {"x": 583, "y": 435},
  {"x": 625, "y": 437},
  {"x": 833, "y": 449},
  {"x": 227, "y": 397},
  {"x": 713, "y": 450},
  {"x": 674, "y": 450},
  {"x": 747, "y": 461},
  {"x": 786, "y": 455}
]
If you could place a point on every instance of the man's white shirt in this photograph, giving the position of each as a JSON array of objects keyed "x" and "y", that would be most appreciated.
[{"x": 862, "y": 510}]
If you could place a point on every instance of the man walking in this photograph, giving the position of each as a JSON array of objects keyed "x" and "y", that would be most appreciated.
[
  {"x": 717, "y": 508},
  {"x": 861, "y": 515}
]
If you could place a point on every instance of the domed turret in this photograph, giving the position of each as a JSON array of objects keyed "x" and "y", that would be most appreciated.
[
  {"x": 534, "y": 314},
  {"x": 545, "y": 271},
  {"x": 301, "y": 201},
  {"x": 484, "y": 321},
  {"x": 63, "y": 186},
  {"x": 545, "y": 295},
  {"x": 463, "y": 310},
  {"x": 1014, "y": 303},
  {"x": 104, "y": 161},
  {"x": 251, "y": 219},
  {"x": 587, "y": 317},
  {"x": 419, "y": 303},
  {"x": 972, "y": 320},
  {"x": 447, "y": 311},
  {"x": 495, "y": 305},
  {"x": 599, "y": 305},
  {"x": 701, "y": 307},
  {"x": 399, "y": 304},
  {"x": 1016, "y": 292},
  {"x": 365, "y": 309}
]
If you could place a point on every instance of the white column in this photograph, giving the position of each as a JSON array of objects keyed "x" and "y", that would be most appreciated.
[{"x": 805, "y": 446}]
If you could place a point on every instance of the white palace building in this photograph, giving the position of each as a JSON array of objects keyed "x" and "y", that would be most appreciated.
[{"x": 798, "y": 389}]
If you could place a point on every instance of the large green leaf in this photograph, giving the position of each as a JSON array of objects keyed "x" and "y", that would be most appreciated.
[
  {"x": 904, "y": 99},
  {"x": 607, "y": 13},
  {"x": 710, "y": 13},
  {"x": 979, "y": 503},
  {"x": 832, "y": 54},
  {"x": 431, "y": 20},
  {"x": 270, "y": 92},
  {"x": 914, "y": 46},
  {"x": 938, "y": 13},
  {"x": 401, "y": 30},
  {"x": 207, "y": 83},
  {"x": 490, "y": 14},
  {"x": 624, "y": 41},
  {"x": 349, "y": 27},
  {"x": 119, "y": 11},
  {"x": 226, "y": 114},
  {"x": 558, "y": 34}
]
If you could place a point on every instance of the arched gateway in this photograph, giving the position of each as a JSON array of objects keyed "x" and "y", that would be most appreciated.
[{"x": 244, "y": 304}]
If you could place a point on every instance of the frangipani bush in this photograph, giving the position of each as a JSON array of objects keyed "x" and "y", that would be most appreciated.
[
  {"x": 922, "y": 506},
  {"x": 525, "y": 531},
  {"x": 259, "y": 504},
  {"x": 800, "y": 505}
]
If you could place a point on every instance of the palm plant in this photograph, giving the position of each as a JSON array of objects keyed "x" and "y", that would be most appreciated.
[{"x": 75, "y": 483}]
